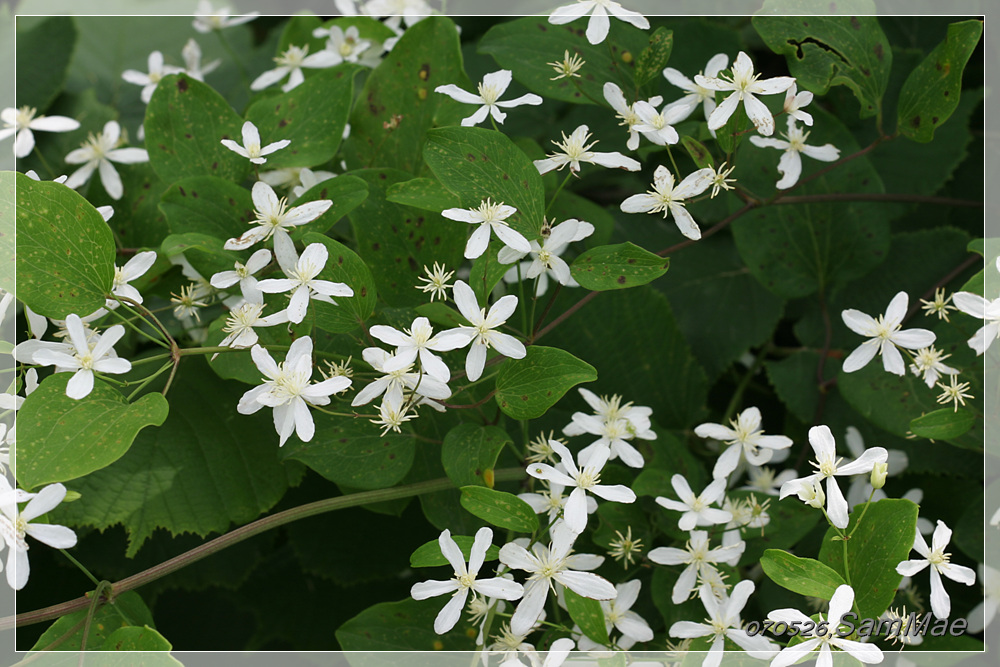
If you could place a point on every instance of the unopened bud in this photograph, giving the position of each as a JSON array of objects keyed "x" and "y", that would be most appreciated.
[
  {"x": 879, "y": 473},
  {"x": 811, "y": 493},
  {"x": 71, "y": 496}
]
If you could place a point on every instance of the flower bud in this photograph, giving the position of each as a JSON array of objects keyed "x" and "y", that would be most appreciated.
[{"x": 879, "y": 473}]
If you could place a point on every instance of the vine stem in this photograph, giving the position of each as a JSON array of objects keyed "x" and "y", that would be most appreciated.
[{"x": 242, "y": 533}]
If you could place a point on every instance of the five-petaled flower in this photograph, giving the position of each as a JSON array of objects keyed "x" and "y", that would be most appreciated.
[
  {"x": 465, "y": 580},
  {"x": 794, "y": 147},
  {"x": 16, "y": 524},
  {"x": 21, "y": 122},
  {"x": 482, "y": 330},
  {"x": 746, "y": 439},
  {"x": 273, "y": 217},
  {"x": 89, "y": 354},
  {"x": 940, "y": 564},
  {"x": 490, "y": 216},
  {"x": 575, "y": 149},
  {"x": 150, "y": 80},
  {"x": 301, "y": 277},
  {"x": 290, "y": 64},
  {"x": 493, "y": 86}
]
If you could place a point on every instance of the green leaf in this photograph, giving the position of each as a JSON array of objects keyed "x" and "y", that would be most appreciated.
[
  {"x": 632, "y": 339},
  {"x": 423, "y": 193},
  {"x": 65, "y": 251},
  {"x": 504, "y": 510},
  {"x": 702, "y": 156},
  {"x": 311, "y": 116},
  {"x": 400, "y": 240},
  {"x": 344, "y": 266},
  {"x": 7, "y": 217},
  {"x": 470, "y": 451},
  {"x": 509, "y": 42},
  {"x": 186, "y": 121},
  {"x": 106, "y": 621},
  {"x": 654, "y": 57},
  {"x": 589, "y": 615},
  {"x": 441, "y": 314},
  {"x": 208, "y": 205},
  {"x": 796, "y": 249},
  {"x": 200, "y": 472},
  {"x": 135, "y": 638},
  {"x": 353, "y": 453},
  {"x": 804, "y": 576},
  {"x": 824, "y": 51},
  {"x": 791, "y": 521},
  {"x": 346, "y": 192},
  {"x": 429, "y": 554},
  {"x": 882, "y": 541},
  {"x": 428, "y": 55},
  {"x": 943, "y": 424},
  {"x": 617, "y": 267},
  {"x": 43, "y": 57},
  {"x": 138, "y": 222},
  {"x": 478, "y": 164},
  {"x": 711, "y": 271},
  {"x": 61, "y": 438},
  {"x": 407, "y": 625},
  {"x": 528, "y": 387},
  {"x": 932, "y": 91}
]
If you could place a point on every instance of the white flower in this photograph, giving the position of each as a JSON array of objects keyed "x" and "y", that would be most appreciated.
[
  {"x": 698, "y": 558},
  {"x": 586, "y": 477},
  {"x": 545, "y": 256},
  {"x": 483, "y": 332},
  {"x": 840, "y": 604},
  {"x": 790, "y": 164},
  {"x": 548, "y": 566},
  {"x": 347, "y": 44},
  {"x": 697, "y": 510},
  {"x": 241, "y": 322},
  {"x": 568, "y": 68},
  {"x": 744, "y": 84},
  {"x": 669, "y": 199},
  {"x": 696, "y": 94},
  {"x": 984, "y": 613},
  {"x": 243, "y": 274},
  {"x": 861, "y": 487},
  {"x": 493, "y": 86},
  {"x": 97, "y": 153},
  {"x": 420, "y": 340},
  {"x": 15, "y": 525},
  {"x": 136, "y": 267},
  {"x": 394, "y": 382},
  {"x": 928, "y": 362},
  {"x": 437, "y": 282},
  {"x": 618, "y": 614},
  {"x": 829, "y": 467},
  {"x": 251, "y": 147},
  {"x": 575, "y": 149},
  {"x": 273, "y": 217},
  {"x": 309, "y": 179},
  {"x": 553, "y": 501},
  {"x": 290, "y": 64},
  {"x": 940, "y": 563},
  {"x": 149, "y": 82},
  {"x": 207, "y": 19},
  {"x": 720, "y": 178},
  {"x": 884, "y": 336},
  {"x": 614, "y": 424},
  {"x": 724, "y": 621},
  {"x": 393, "y": 413},
  {"x": 301, "y": 277},
  {"x": 21, "y": 122},
  {"x": 288, "y": 389},
  {"x": 464, "y": 580},
  {"x": 489, "y": 216},
  {"x": 765, "y": 481},
  {"x": 192, "y": 61},
  {"x": 939, "y": 306},
  {"x": 746, "y": 439},
  {"x": 86, "y": 357},
  {"x": 616, "y": 98},
  {"x": 794, "y": 102},
  {"x": 981, "y": 309},
  {"x": 599, "y": 23},
  {"x": 657, "y": 126}
]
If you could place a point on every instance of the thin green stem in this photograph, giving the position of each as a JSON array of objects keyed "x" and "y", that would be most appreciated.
[
  {"x": 95, "y": 580},
  {"x": 147, "y": 360},
  {"x": 555, "y": 195},
  {"x": 94, "y": 604},
  {"x": 244, "y": 532},
  {"x": 128, "y": 322},
  {"x": 734, "y": 402},
  {"x": 150, "y": 379},
  {"x": 673, "y": 162},
  {"x": 861, "y": 518}
]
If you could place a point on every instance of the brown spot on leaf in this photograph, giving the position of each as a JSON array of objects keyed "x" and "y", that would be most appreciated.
[
  {"x": 621, "y": 280},
  {"x": 182, "y": 84}
]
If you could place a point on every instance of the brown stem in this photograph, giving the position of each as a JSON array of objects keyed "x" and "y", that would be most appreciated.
[
  {"x": 242, "y": 533},
  {"x": 830, "y": 167},
  {"x": 470, "y": 405},
  {"x": 564, "y": 316},
  {"x": 711, "y": 230}
]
